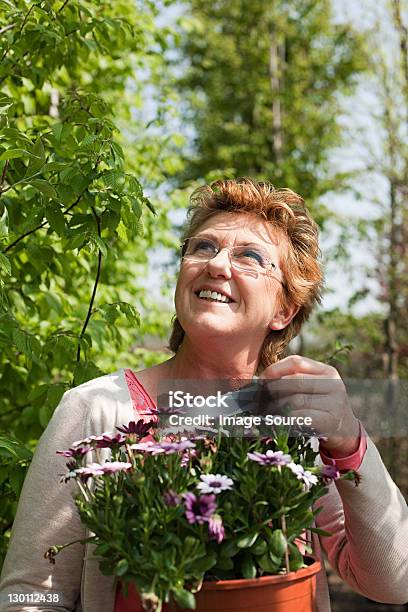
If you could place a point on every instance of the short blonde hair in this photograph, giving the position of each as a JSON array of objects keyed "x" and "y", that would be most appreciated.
[{"x": 286, "y": 212}]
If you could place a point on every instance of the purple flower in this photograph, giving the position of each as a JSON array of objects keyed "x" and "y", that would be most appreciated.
[
  {"x": 147, "y": 447},
  {"x": 176, "y": 447},
  {"x": 199, "y": 509},
  {"x": 214, "y": 483},
  {"x": 171, "y": 498},
  {"x": 308, "y": 478},
  {"x": 86, "y": 441},
  {"x": 104, "y": 440},
  {"x": 76, "y": 452},
  {"x": 91, "y": 470},
  {"x": 141, "y": 428},
  {"x": 168, "y": 448},
  {"x": 116, "y": 466},
  {"x": 108, "y": 440},
  {"x": 216, "y": 528},
  {"x": 270, "y": 458},
  {"x": 187, "y": 455},
  {"x": 329, "y": 473}
]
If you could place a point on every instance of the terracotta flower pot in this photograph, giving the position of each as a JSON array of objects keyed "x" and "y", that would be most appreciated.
[{"x": 293, "y": 592}]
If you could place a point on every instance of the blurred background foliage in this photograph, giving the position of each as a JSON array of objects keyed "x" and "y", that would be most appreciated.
[{"x": 111, "y": 113}]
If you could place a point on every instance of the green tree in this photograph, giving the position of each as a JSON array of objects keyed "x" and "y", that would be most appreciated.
[
  {"x": 263, "y": 83},
  {"x": 75, "y": 223}
]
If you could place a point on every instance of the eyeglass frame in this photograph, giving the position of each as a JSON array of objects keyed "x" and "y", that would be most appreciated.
[{"x": 233, "y": 264}]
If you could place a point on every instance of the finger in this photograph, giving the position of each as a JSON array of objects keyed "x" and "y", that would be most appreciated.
[
  {"x": 318, "y": 422},
  {"x": 301, "y": 401},
  {"x": 275, "y": 389},
  {"x": 295, "y": 364}
]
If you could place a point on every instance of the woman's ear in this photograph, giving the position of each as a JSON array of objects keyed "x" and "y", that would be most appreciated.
[{"x": 283, "y": 316}]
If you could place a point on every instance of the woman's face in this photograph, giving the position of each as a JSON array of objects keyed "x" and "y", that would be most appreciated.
[{"x": 254, "y": 306}]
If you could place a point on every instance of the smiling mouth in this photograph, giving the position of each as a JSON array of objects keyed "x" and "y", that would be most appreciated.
[{"x": 213, "y": 296}]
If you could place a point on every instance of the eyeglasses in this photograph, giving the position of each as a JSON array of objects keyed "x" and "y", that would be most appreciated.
[{"x": 247, "y": 258}]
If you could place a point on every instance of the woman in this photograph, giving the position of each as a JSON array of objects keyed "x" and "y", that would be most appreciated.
[{"x": 249, "y": 278}]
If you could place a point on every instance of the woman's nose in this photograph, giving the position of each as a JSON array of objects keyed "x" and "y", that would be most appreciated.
[{"x": 220, "y": 265}]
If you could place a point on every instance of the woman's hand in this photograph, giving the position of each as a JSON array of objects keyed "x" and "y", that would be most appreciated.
[{"x": 316, "y": 390}]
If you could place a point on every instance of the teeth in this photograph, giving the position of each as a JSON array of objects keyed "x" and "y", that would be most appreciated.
[{"x": 213, "y": 295}]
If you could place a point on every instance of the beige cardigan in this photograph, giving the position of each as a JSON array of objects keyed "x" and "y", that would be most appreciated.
[{"x": 368, "y": 548}]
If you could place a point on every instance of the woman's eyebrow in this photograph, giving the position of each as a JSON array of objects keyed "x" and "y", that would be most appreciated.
[
  {"x": 206, "y": 235},
  {"x": 245, "y": 244}
]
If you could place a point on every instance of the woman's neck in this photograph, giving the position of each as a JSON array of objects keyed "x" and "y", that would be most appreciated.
[{"x": 192, "y": 361}]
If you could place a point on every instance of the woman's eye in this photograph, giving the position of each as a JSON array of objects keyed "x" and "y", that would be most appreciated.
[
  {"x": 204, "y": 245},
  {"x": 255, "y": 256}
]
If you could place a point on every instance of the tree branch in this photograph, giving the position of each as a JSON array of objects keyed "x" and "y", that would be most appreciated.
[
  {"x": 10, "y": 26},
  {"x": 19, "y": 33},
  {"x": 3, "y": 175},
  {"x": 91, "y": 303},
  {"x": 41, "y": 225},
  {"x": 62, "y": 7}
]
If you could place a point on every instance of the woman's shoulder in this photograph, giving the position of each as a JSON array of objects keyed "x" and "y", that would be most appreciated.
[
  {"x": 107, "y": 384},
  {"x": 101, "y": 401}
]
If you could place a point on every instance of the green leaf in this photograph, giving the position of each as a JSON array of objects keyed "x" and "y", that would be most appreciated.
[
  {"x": 17, "y": 478},
  {"x": 296, "y": 558},
  {"x": 55, "y": 218},
  {"x": 38, "y": 392},
  {"x": 117, "y": 150},
  {"x": 121, "y": 567},
  {"x": 321, "y": 532},
  {"x": 228, "y": 548},
  {"x": 184, "y": 598},
  {"x": 16, "y": 449},
  {"x": 21, "y": 341},
  {"x": 113, "y": 179},
  {"x": 84, "y": 371},
  {"x": 14, "y": 154},
  {"x": 205, "y": 563},
  {"x": 130, "y": 313},
  {"x": 44, "y": 415},
  {"x": 278, "y": 543},
  {"x": 248, "y": 567},
  {"x": 5, "y": 264},
  {"x": 225, "y": 563},
  {"x": 57, "y": 130},
  {"x": 246, "y": 541},
  {"x": 54, "y": 394},
  {"x": 97, "y": 240},
  {"x": 267, "y": 565},
  {"x": 4, "y": 223},
  {"x": 149, "y": 205},
  {"x": 45, "y": 187},
  {"x": 259, "y": 548}
]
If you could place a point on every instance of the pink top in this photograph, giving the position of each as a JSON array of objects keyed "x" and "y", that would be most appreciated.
[
  {"x": 349, "y": 462},
  {"x": 145, "y": 408}
]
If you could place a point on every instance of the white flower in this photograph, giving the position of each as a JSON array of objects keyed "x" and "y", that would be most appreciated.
[
  {"x": 308, "y": 478},
  {"x": 214, "y": 483},
  {"x": 314, "y": 443}
]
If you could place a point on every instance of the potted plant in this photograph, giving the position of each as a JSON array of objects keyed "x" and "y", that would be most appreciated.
[{"x": 188, "y": 522}]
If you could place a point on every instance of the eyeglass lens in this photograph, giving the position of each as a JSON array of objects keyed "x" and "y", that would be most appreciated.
[{"x": 246, "y": 257}]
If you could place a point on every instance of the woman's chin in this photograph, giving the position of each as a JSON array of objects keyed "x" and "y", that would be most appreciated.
[{"x": 209, "y": 324}]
